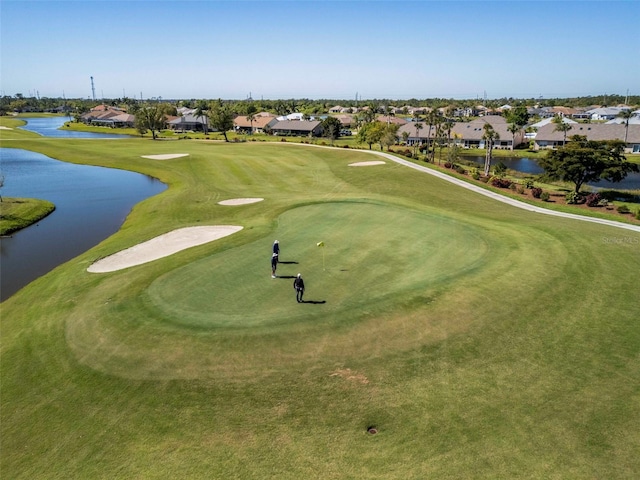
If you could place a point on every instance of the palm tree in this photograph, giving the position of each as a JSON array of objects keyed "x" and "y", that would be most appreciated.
[
  {"x": 490, "y": 136},
  {"x": 418, "y": 127},
  {"x": 251, "y": 117},
  {"x": 437, "y": 123},
  {"x": 448, "y": 126},
  {"x": 561, "y": 126},
  {"x": 626, "y": 115},
  {"x": 201, "y": 111},
  {"x": 513, "y": 128}
]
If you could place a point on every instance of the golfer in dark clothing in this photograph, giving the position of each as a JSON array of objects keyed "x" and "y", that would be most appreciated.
[
  {"x": 276, "y": 247},
  {"x": 298, "y": 284},
  {"x": 274, "y": 264}
]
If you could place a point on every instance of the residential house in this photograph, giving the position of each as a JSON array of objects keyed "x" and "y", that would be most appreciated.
[
  {"x": 604, "y": 113},
  {"x": 391, "y": 119},
  {"x": 634, "y": 120},
  {"x": 414, "y": 135},
  {"x": 469, "y": 134},
  {"x": 347, "y": 121},
  {"x": 548, "y": 138},
  {"x": 242, "y": 124},
  {"x": 190, "y": 123},
  {"x": 545, "y": 121},
  {"x": 298, "y": 128},
  {"x": 100, "y": 114}
]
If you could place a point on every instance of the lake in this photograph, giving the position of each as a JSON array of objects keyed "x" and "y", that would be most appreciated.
[
  {"x": 49, "y": 127},
  {"x": 528, "y": 165},
  {"x": 91, "y": 205}
]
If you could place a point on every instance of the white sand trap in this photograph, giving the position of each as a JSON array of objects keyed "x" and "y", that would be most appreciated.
[
  {"x": 162, "y": 246},
  {"x": 240, "y": 201},
  {"x": 366, "y": 164},
  {"x": 2, "y": 127},
  {"x": 167, "y": 156}
]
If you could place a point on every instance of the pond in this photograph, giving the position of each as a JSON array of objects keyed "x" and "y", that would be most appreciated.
[
  {"x": 91, "y": 204},
  {"x": 528, "y": 165},
  {"x": 49, "y": 127}
]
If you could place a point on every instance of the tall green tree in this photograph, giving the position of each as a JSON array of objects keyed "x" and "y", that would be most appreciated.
[
  {"x": 331, "y": 128},
  {"x": 370, "y": 133},
  {"x": 389, "y": 135},
  {"x": 202, "y": 113},
  {"x": 582, "y": 161},
  {"x": 561, "y": 126},
  {"x": 626, "y": 115},
  {"x": 150, "y": 117},
  {"x": 518, "y": 115},
  {"x": 221, "y": 118},
  {"x": 489, "y": 137}
]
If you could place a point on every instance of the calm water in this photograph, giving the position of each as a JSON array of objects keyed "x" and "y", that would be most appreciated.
[
  {"x": 528, "y": 165},
  {"x": 49, "y": 126},
  {"x": 91, "y": 204}
]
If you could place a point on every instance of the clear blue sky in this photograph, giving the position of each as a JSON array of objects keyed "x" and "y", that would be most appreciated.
[{"x": 320, "y": 49}]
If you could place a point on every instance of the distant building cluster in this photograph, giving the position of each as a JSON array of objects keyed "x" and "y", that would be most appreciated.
[{"x": 465, "y": 128}]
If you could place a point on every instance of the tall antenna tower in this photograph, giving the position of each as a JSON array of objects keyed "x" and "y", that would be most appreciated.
[{"x": 93, "y": 89}]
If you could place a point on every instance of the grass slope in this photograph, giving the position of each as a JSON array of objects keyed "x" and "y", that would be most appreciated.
[
  {"x": 17, "y": 213},
  {"x": 481, "y": 340}
]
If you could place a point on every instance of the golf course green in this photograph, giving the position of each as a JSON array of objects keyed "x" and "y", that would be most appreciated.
[{"x": 444, "y": 334}]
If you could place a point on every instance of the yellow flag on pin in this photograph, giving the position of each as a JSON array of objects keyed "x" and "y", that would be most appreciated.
[{"x": 320, "y": 244}]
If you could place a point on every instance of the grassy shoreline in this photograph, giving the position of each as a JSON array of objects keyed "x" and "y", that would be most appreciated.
[{"x": 19, "y": 213}]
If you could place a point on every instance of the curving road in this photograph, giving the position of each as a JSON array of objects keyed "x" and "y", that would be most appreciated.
[{"x": 504, "y": 199}]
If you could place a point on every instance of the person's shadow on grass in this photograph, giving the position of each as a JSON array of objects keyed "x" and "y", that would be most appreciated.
[
  {"x": 285, "y": 276},
  {"x": 314, "y": 302},
  {"x": 287, "y": 263}
]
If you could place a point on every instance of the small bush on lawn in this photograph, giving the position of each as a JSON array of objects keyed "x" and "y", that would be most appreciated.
[
  {"x": 638, "y": 215},
  {"x": 460, "y": 170},
  {"x": 593, "y": 200},
  {"x": 623, "y": 209},
  {"x": 573, "y": 198},
  {"x": 501, "y": 182},
  {"x": 520, "y": 189},
  {"x": 544, "y": 196},
  {"x": 475, "y": 175},
  {"x": 528, "y": 184},
  {"x": 536, "y": 192},
  {"x": 448, "y": 165}
]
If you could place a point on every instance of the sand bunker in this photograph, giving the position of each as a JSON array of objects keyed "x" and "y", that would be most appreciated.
[
  {"x": 162, "y": 246},
  {"x": 167, "y": 156},
  {"x": 366, "y": 164},
  {"x": 240, "y": 201},
  {"x": 2, "y": 127}
]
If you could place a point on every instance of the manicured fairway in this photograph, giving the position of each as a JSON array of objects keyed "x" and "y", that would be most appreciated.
[{"x": 481, "y": 341}]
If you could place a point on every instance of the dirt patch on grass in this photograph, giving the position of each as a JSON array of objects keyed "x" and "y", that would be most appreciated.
[
  {"x": 348, "y": 374},
  {"x": 162, "y": 246}
]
